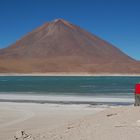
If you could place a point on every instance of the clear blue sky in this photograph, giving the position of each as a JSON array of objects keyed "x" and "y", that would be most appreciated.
[{"x": 117, "y": 21}]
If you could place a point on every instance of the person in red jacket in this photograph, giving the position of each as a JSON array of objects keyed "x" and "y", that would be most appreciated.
[{"x": 137, "y": 94}]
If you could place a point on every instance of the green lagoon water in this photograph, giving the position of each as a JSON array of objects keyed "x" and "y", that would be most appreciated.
[
  {"x": 69, "y": 85},
  {"x": 87, "y": 86}
]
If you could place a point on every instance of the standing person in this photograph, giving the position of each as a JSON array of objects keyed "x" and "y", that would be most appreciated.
[{"x": 137, "y": 95}]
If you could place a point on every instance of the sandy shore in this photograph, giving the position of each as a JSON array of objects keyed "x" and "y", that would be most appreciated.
[
  {"x": 68, "y": 122},
  {"x": 69, "y": 74},
  {"x": 121, "y": 123},
  {"x": 38, "y": 118}
]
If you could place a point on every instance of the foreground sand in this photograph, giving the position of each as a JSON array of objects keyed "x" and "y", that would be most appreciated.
[
  {"x": 38, "y": 118},
  {"x": 122, "y": 123},
  {"x": 68, "y": 122}
]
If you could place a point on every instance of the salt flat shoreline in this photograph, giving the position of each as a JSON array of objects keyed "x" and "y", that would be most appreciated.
[
  {"x": 68, "y": 74},
  {"x": 65, "y": 99},
  {"x": 67, "y": 102}
]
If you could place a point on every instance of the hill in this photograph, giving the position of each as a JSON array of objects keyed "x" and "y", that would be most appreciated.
[{"x": 59, "y": 46}]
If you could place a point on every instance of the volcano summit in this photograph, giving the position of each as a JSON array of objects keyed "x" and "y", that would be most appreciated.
[{"x": 61, "y": 47}]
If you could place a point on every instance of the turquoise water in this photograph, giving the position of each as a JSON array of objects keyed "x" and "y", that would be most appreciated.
[{"x": 60, "y": 85}]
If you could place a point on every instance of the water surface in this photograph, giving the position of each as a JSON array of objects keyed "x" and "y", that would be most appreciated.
[{"x": 70, "y": 86}]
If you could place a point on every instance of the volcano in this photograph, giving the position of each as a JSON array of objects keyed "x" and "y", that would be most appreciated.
[{"x": 61, "y": 47}]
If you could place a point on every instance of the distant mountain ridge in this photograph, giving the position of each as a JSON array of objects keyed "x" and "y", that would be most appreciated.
[{"x": 59, "y": 46}]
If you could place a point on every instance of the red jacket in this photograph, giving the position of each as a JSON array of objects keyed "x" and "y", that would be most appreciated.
[{"x": 137, "y": 89}]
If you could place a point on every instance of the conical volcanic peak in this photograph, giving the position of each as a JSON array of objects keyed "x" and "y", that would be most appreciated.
[
  {"x": 59, "y": 20},
  {"x": 63, "y": 22},
  {"x": 60, "y": 46}
]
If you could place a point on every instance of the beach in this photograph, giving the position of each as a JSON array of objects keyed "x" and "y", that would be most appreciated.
[
  {"x": 68, "y": 122},
  {"x": 68, "y": 108},
  {"x": 38, "y": 118}
]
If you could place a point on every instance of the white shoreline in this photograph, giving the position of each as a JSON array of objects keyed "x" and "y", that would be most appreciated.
[
  {"x": 68, "y": 74},
  {"x": 64, "y": 99}
]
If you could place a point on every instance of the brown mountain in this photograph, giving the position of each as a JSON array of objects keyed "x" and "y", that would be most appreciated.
[{"x": 60, "y": 46}]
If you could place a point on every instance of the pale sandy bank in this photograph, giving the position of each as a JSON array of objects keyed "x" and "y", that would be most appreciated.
[
  {"x": 69, "y": 74},
  {"x": 37, "y": 119},
  {"x": 118, "y": 123},
  {"x": 121, "y": 123}
]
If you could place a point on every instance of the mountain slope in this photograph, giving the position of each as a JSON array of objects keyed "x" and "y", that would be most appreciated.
[{"x": 60, "y": 46}]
